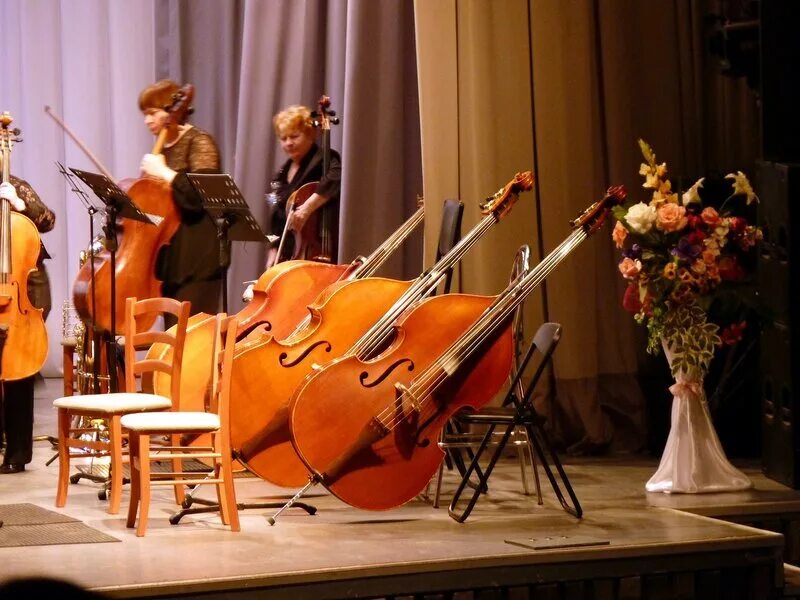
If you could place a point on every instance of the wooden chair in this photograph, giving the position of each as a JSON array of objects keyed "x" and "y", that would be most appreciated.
[
  {"x": 111, "y": 407},
  {"x": 183, "y": 425}
]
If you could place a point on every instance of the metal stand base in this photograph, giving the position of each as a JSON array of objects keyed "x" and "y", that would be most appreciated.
[{"x": 211, "y": 506}]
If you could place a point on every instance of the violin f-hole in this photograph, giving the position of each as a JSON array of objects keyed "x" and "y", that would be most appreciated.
[
  {"x": 286, "y": 362},
  {"x": 364, "y": 375}
]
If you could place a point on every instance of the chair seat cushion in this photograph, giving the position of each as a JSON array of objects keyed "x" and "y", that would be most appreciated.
[
  {"x": 171, "y": 421},
  {"x": 110, "y": 404}
]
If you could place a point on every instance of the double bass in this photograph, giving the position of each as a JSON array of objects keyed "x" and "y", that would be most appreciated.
[
  {"x": 350, "y": 318},
  {"x": 25, "y": 347},
  {"x": 137, "y": 244},
  {"x": 275, "y": 310},
  {"x": 368, "y": 430}
]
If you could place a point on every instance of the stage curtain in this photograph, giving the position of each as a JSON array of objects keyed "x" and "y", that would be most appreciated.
[
  {"x": 567, "y": 88},
  {"x": 264, "y": 56},
  {"x": 89, "y": 59}
]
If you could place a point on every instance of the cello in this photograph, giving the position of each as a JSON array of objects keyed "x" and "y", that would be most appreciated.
[
  {"x": 138, "y": 244},
  {"x": 368, "y": 430},
  {"x": 25, "y": 347},
  {"x": 350, "y": 318}
]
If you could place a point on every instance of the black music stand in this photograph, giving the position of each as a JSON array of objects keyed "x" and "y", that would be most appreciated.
[
  {"x": 117, "y": 203},
  {"x": 225, "y": 204},
  {"x": 92, "y": 211}
]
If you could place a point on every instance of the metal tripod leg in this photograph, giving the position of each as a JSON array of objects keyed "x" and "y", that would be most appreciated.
[{"x": 212, "y": 506}]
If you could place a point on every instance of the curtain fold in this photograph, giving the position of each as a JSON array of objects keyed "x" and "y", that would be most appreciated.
[
  {"x": 248, "y": 59},
  {"x": 87, "y": 63},
  {"x": 573, "y": 85}
]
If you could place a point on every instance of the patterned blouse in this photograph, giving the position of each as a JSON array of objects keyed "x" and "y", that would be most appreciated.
[
  {"x": 193, "y": 253},
  {"x": 35, "y": 209},
  {"x": 45, "y": 220}
]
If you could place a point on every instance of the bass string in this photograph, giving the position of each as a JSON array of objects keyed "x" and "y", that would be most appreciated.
[
  {"x": 382, "y": 253},
  {"x": 435, "y": 375},
  {"x": 424, "y": 285}
]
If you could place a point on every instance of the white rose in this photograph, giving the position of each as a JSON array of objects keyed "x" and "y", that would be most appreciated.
[{"x": 641, "y": 217}]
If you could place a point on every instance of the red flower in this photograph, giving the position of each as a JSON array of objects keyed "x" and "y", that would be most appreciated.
[
  {"x": 630, "y": 300},
  {"x": 730, "y": 269},
  {"x": 732, "y": 334},
  {"x": 694, "y": 221},
  {"x": 696, "y": 237},
  {"x": 737, "y": 224}
]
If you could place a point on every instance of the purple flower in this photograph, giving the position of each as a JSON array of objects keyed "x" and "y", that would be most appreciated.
[
  {"x": 634, "y": 252},
  {"x": 685, "y": 250}
]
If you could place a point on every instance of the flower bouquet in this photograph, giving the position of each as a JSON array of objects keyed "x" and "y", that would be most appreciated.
[{"x": 680, "y": 252}]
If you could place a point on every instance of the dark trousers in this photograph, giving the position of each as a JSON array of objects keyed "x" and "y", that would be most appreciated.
[
  {"x": 205, "y": 296},
  {"x": 17, "y": 421}
]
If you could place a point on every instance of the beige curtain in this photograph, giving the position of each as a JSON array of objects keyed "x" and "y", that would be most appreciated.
[{"x": 568, "y": 87}]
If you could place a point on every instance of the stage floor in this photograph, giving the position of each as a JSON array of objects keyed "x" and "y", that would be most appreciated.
[{"x": 344, "y": 552}]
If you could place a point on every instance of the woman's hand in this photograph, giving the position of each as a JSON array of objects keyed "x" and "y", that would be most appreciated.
[
  {"x": 155, "y": 165},
  {"x": 299, "y": 216},
  {"x": 8, "y": 192}
]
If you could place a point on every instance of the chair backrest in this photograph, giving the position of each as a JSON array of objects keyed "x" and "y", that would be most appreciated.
[
  {"x": 136, "y": 339},
  {"x": 449, "y": 234},
  {"x": 222, "y": 366},
  {"x": 545, "y": 339}
]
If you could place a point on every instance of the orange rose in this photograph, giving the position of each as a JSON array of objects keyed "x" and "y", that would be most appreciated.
[
  {"x": 710, "y": 216},
  {"x": 630, "y": 268},
  {"x": 671, "y": 217},
  {"x": 619, "y": 234}
]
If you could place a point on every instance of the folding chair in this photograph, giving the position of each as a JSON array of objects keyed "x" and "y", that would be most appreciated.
[{"x": 519, "y": 413}]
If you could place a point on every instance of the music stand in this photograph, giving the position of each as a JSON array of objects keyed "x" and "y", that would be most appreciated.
[
  {"x": 117, "y": 203},
  {"x": 225, "y": 204}
]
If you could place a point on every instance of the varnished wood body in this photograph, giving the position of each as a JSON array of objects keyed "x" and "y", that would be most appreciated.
[
  {"x": 267, "y": 371},
  {"x": 197, "y": 365},
  {"x": 25, "y": 348},
  {"x": 283, "y": 292},
  {"x": 331, "y": 409},
  {"x": 314, "y": 241},
  {"x": 139, "y": 245}
]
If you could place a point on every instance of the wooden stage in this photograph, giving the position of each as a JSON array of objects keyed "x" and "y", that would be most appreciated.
[{"x": 638, "y": 545}]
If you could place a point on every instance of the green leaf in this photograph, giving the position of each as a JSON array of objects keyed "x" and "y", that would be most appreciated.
[{"x": 619, "y": 213}]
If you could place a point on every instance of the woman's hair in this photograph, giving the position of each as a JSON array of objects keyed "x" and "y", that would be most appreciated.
[
  {"x": 293, "y": 118},
  {"x": 158, "y": 95}
]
